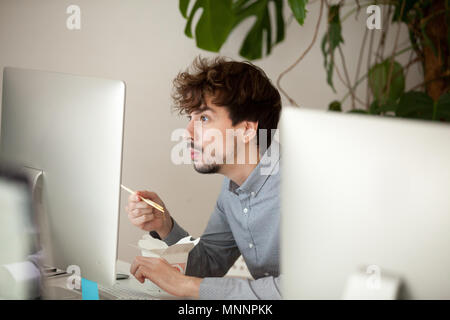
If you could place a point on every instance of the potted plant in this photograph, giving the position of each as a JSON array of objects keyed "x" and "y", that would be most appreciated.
[{"x": 428, "y": 24}]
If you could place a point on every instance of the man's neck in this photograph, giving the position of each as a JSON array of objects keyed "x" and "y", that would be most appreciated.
[{"x": 238, "y": 173}]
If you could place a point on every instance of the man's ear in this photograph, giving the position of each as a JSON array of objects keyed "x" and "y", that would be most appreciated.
[{"x": 250, "y": 130}]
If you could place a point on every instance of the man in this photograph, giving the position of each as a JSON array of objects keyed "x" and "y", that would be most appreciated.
[{"x": 218, "y": 96}]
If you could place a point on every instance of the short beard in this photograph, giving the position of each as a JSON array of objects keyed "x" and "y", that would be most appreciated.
[{"x": 207, "y": 168}]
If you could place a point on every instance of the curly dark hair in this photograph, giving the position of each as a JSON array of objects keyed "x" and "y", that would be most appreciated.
[{"x": 241, "y": 87}]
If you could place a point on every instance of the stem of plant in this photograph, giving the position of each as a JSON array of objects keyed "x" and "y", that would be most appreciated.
[
  {"x": 282, "y": 74},
  {"x": 391, "y": 67},
  {"x": 347, "y": 76}
]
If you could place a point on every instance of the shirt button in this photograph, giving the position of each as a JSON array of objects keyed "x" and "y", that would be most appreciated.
[
  {"x": 252, "y": 193},
  {"x": 245, "y": 210},
  {"x": 250, "y": 245}
]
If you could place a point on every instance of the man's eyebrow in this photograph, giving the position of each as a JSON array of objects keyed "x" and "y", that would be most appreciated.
[{"x": 204, "y": 108}]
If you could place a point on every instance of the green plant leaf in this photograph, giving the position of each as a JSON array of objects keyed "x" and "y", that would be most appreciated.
[
  {"x": 215, "y": 23},
  {"x": 443, "y": 108},
  {"x": 298, "y": 8},
  {"x": 220, "y": 17},
  {"x": 378, "y": 79},
  {"x": 252, "y": 47},
  {"x": 389, "y": 105},
  {"x": 331, "y": 40},
  {"x": 183, "y": 5},
  {"x": 335, "y": 106},
  {"x": 378, "y": 107},
  {"x": 416, "y": 105},
  {"x": 375, "y": 107},
  {"x": 361, "y": 111},
  {"x": 279, "y": 21}
]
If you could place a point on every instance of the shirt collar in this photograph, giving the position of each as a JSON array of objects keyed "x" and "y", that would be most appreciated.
[{"x": 268, "y": 165}]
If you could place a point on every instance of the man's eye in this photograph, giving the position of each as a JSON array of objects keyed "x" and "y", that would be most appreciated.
[
  {"x": 204, "y": 118},
  {"x": 189, "y": 118}
]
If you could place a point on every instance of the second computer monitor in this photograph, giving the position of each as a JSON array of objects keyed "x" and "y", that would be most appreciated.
[{"x": 364, "y": 199}]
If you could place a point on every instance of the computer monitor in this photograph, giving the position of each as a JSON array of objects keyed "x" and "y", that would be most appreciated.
[
  {"x": 19, "y": 276},
  {"x": 366, "y": 193},
  {"x": 70, "y": 129}
]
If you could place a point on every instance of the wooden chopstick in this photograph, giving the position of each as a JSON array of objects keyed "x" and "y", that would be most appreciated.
[{"x": 147, "y": 201}]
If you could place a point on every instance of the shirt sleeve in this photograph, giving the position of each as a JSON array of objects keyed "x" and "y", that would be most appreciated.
[
  {"x": 216, "y": 251},
  {"x": 176, "y": 234},
  {"x": 267, "y": 288}
]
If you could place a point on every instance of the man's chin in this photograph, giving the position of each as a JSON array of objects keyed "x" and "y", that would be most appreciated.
[{"x": 206, "y": 168}]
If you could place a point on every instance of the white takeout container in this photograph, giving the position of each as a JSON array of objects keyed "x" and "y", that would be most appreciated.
[{"x": 176, "y": 255}]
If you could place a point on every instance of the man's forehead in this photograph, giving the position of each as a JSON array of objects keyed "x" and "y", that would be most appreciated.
[
  {"x": 209, "y": 106},
  {"x": 205, "y": 107}
]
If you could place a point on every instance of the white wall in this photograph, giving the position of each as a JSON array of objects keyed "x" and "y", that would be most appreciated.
[{"x": 142, "y": 43}]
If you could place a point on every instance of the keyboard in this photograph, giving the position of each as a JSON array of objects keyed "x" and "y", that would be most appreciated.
[{"x": 121, "y": 292}]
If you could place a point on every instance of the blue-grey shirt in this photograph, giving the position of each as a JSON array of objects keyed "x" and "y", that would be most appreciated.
[{"x": 246, "y": 220}]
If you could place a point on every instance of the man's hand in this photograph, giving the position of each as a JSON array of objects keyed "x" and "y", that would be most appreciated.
[
  {"x": 146, "y": 217},
  {"x": 168, "y": 278}
]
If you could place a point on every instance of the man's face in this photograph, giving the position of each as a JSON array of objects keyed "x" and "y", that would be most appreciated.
[{"x": 207, "y": 128}]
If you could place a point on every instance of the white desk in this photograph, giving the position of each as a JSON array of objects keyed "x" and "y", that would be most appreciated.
[{"x": 56, "y": 288}]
